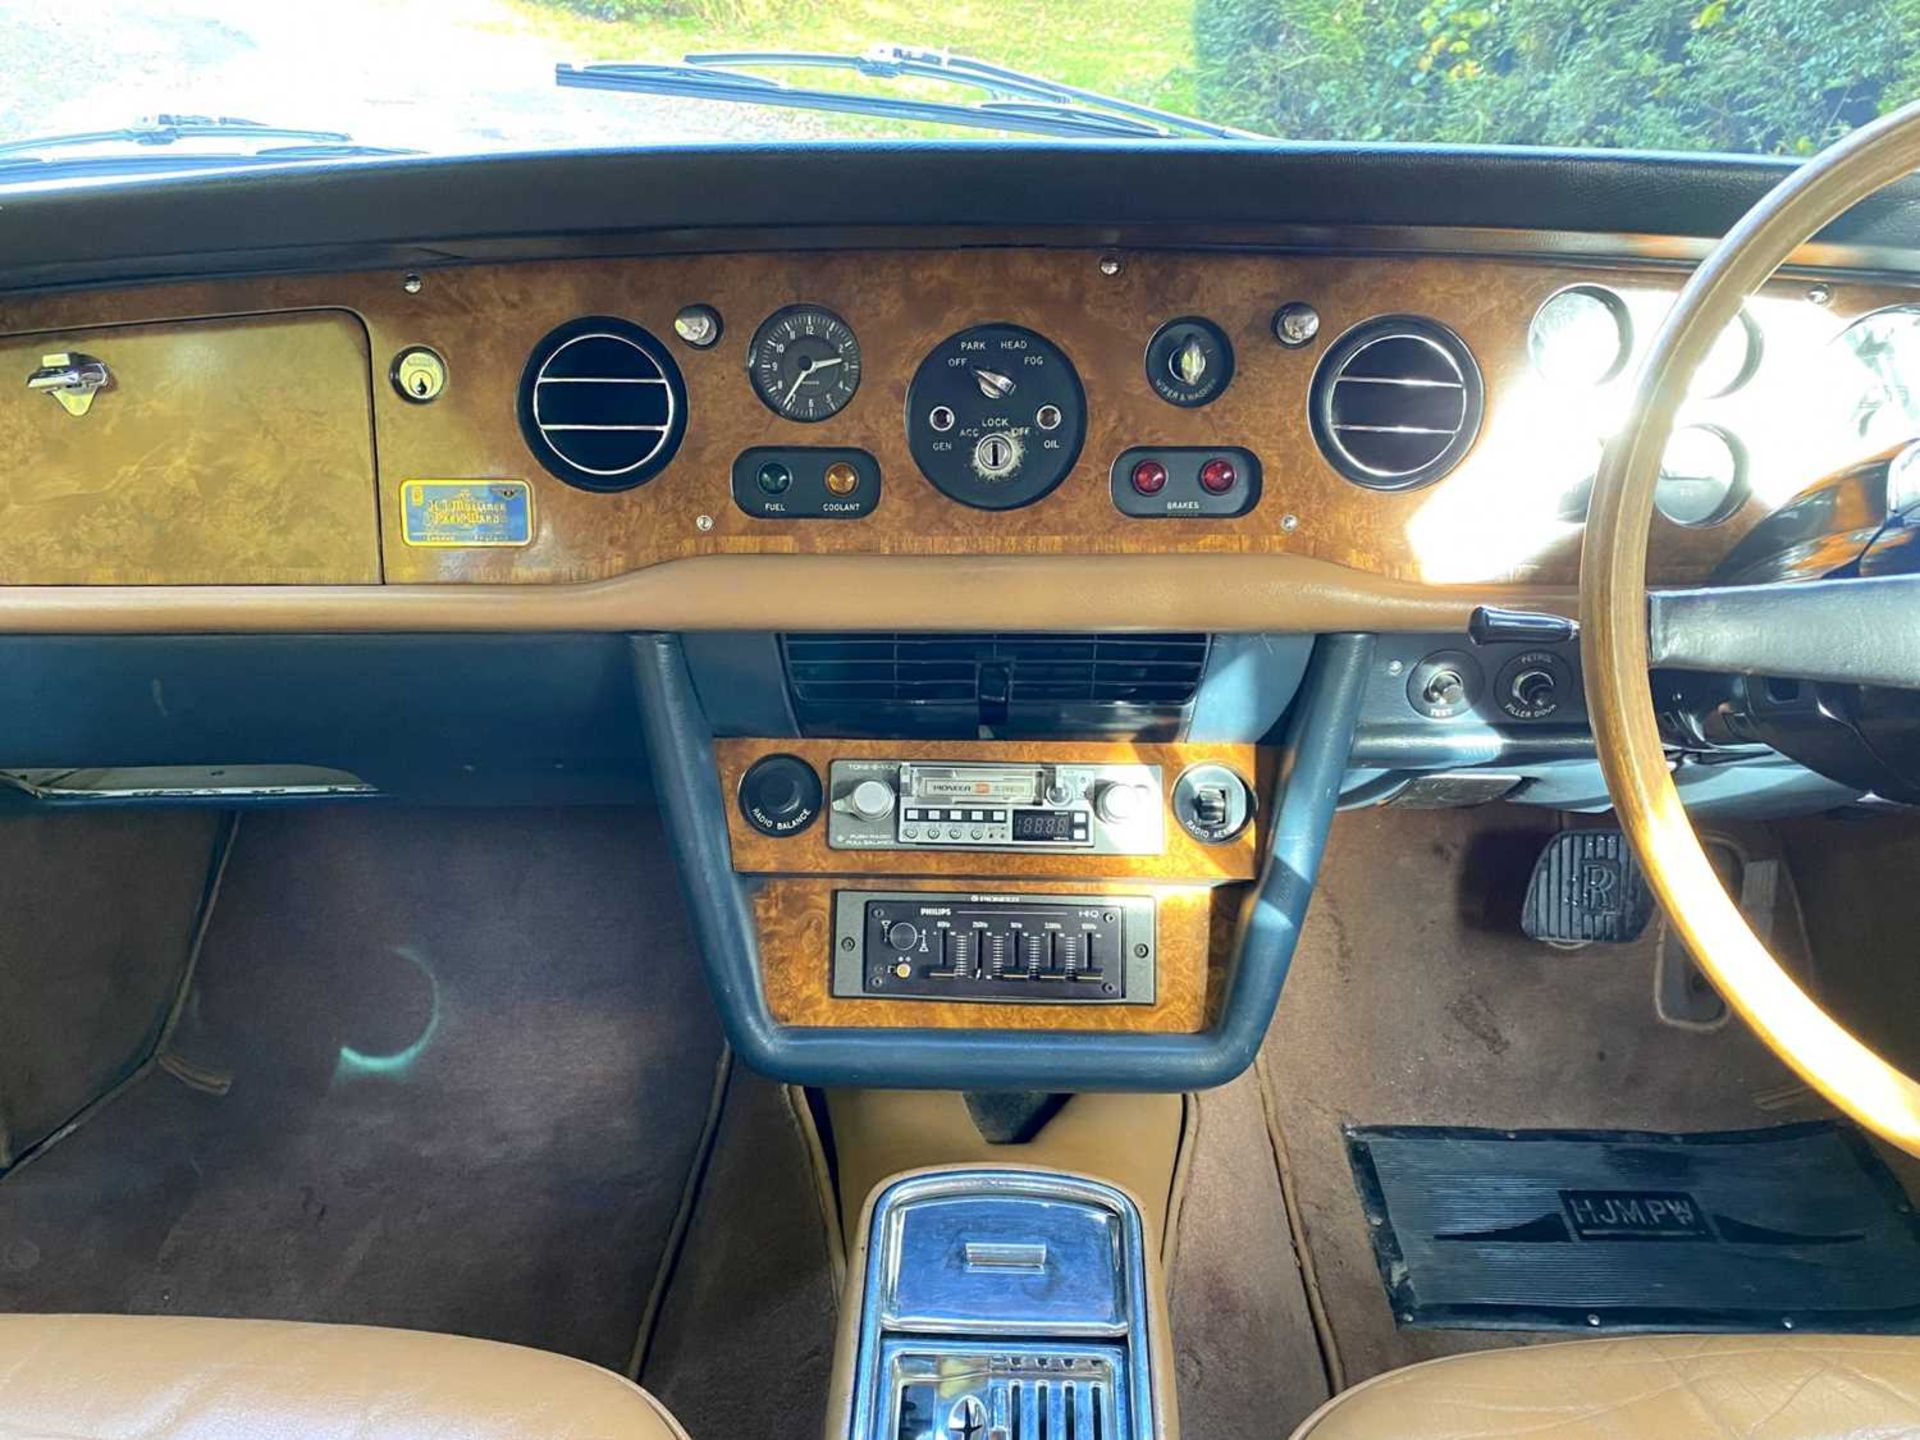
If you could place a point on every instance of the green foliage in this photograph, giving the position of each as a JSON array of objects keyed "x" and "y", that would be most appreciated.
[
  {"x": 709, "y": 12},
  {"x": 1744, "y": 76}
]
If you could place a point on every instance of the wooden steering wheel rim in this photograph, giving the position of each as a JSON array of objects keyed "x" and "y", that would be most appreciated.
[{"x": 1613, "y": 642}]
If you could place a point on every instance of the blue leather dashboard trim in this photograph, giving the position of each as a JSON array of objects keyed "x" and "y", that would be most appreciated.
[{"x": 413, "y": 213}]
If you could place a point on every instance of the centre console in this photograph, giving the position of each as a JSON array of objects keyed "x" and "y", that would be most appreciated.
[
  {"x": 1004, "y": 1304},
  {"x": 1057, "y": 886},
  {"x": 807, "y": 972}
]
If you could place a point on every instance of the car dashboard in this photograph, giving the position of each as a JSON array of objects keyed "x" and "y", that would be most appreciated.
[
  {"x": 1417, "y": 421},
  {"x": 996, "y": 612}
]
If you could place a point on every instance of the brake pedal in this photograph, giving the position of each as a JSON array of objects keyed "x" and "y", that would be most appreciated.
[{"x": 1587, "y": 888}]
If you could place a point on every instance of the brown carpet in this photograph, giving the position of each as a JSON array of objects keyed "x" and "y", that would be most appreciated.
[
  {"x": 1415, "y": 999},
  {"x": 1244, "y": 1347},
  {"x": 744, "y": 1344},
  {"x": 1859, "y": 883},
  {"x": 97, "y": 910},
  {"x": 455, "y": 1066}
]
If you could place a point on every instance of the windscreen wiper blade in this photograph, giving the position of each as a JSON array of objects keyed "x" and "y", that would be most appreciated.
[
  {"x": 164, "y": 130},
  {"x": 15, "y": 169},
  {"x": 1016, "y": 101},
  {"x": 149, "y": 147},
  {"x": 893, "y": 62}
]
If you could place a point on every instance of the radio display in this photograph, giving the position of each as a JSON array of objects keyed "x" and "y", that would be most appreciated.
[
  {"x": 973, "y": 782},
  {"x": 1043, "y": 824}
]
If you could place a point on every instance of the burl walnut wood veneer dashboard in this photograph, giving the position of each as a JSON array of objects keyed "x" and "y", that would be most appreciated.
[
  {"x": 1197, "y": 890},
  {"x": 252, "y": 435}
]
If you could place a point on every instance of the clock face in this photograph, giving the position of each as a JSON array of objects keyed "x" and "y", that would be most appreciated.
[{"x": 804, "y": 363}]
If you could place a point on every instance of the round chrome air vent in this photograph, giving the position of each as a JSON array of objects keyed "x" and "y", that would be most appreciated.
[
  {"x": 1396, "y": 402},
  {"x": 602, "y": 404}
]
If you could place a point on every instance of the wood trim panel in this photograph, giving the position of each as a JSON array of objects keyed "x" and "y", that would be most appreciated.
[
  {"x": 1491, "y": 523},
  {"x": 222, "y": 452},
  {"x": 807, "y": 853},
  {"x": 795, "y": 921}
]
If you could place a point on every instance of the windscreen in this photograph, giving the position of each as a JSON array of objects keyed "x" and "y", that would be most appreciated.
[{"x": 118, "y": 88}]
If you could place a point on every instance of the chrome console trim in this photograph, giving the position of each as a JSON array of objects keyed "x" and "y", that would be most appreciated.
[
  {"x": 1059, "y": 1391},
  {"x": 1010, "y": 1268}
]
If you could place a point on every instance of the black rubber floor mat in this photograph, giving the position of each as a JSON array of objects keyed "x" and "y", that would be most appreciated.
[{"x": 1796, "y": 1226}]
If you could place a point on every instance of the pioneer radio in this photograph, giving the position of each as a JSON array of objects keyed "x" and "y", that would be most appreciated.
[{"x": 915, "y": 805}]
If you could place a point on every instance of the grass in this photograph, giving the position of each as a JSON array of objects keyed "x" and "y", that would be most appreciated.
[{"x": 1140, "y": 49}]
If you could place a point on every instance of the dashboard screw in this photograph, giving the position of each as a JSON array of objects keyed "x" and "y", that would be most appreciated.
[
  {"x": 1396, "y": 667},
  {"x": 1289, "y": 523},
  {"x": 1820, "y": 294},
  {"x": 1140, "y": 952},
  {"x": 1110, "y": 265},
  {"x": 412, "y": 283},
  {"x": 703, "y": 523}
]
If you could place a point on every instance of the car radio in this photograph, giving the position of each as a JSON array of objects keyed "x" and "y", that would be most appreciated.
[{"x": 920, "y": 805}]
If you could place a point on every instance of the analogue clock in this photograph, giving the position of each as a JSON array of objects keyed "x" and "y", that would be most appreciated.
[{"x": 804, "y": 363}]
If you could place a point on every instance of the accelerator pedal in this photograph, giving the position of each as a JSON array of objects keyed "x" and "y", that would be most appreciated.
[{"x": 1587, "y": 888}]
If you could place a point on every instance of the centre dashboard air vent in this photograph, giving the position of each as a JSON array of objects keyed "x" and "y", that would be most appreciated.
[
  {"x": 959, "y": 686},
  {"x": 1396, "y": 402},
  {"x": 602, "y": 404}
]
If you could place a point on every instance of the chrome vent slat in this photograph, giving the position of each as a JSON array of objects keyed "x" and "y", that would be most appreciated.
[
  {"x": 1396, "y": 402},
  {"x": 1077, "y": 1405},
  {"x": 600, "y": 380},
  {"x": 1407, "y": 381},
  {"x": 1089, "y": 1400},
  {"x": 602, "y": 403}
]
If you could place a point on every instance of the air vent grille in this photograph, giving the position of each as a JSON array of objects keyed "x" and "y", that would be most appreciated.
[
  {"x": 1076, "y": 1405},
  {"x": 959, "y": 685},
  {"x": 602, "y": 404},
  {"x": 1396, "y": 402}
]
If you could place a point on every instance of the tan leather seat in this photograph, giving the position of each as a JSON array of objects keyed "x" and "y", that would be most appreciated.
[
  {"x": 1730, "y": 1387},
  {"x": 113, "y": 1377}
]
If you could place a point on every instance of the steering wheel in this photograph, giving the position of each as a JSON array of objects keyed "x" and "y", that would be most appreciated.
[{"x": 1785, "y": 629}]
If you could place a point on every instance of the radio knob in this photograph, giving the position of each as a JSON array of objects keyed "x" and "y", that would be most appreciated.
[
  {"x": 1057, "y": 794},
  {"x": 1119, "y": 800},
  {"x": 903, "y": 935},
  {"x": 780, "y": 795},
  {"x": 871, "y": 800}
]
